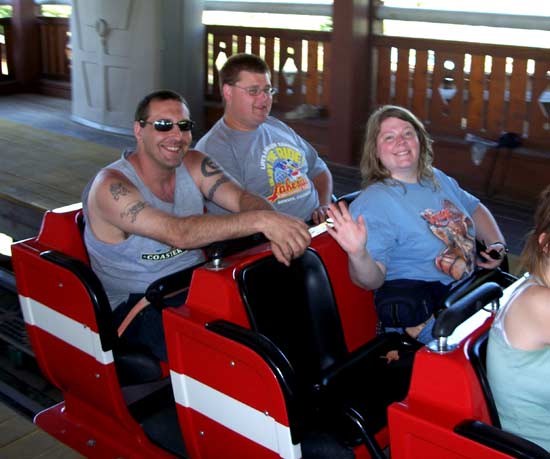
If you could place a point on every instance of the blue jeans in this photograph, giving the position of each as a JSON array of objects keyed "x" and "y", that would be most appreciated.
[
  {"x": 425, "y": 336},
  {"x": 146, "y": 330},
  {"x": 403, "y": 303}
]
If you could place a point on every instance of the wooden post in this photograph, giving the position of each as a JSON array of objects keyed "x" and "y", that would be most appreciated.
[
  {"x": 351, "y": 79},
  {"x": 26, "y": 54}
]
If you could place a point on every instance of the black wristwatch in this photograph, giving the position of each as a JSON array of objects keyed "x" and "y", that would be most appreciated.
[{"x": 495, "y": 254}]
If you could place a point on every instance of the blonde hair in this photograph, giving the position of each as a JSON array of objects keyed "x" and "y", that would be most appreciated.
[
  {"x": 372, "y": 169},
  {"x": 535, "y": 255}
]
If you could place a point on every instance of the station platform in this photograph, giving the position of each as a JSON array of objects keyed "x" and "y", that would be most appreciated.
[
  {"x": 21, "y": 439},
  {"x": 47, "y": 159}
]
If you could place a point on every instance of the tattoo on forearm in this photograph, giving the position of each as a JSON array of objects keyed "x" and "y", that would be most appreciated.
[
  {"x": 210, "y": 167},
  {"x": 118, "y": 190},
  {"x": 133, "y": 211},
  {"x": 216, "y": 185}
]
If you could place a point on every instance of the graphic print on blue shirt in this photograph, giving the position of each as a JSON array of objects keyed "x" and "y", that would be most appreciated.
[
  {"x": 452, "y": 227},
  {"x": 285, "y": 167}
]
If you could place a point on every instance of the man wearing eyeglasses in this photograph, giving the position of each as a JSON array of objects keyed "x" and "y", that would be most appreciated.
[
  {"x": 145, "y": 220},
  {"x": 262, "y": 153}
]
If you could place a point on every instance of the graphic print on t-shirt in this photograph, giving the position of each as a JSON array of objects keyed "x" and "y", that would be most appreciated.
[
  {"x": 167, "y": 254},
  {"x": 285, "y": 168},
  {"x": 451, "y": 226}
]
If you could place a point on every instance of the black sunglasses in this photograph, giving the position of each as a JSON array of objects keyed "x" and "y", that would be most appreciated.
[{"x": 167, "y": 125}]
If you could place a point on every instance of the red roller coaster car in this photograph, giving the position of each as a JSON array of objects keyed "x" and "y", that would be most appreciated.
[{"x": 264, "y": 361}]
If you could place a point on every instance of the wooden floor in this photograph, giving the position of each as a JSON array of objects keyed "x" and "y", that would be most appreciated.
[
  {"x": 47, "y": 159},
  {"x": 21, "y": 439},
  {"x": 53, "y": 114}
]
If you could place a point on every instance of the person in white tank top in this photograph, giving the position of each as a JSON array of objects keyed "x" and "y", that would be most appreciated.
[{"x": 518, "y": 352}]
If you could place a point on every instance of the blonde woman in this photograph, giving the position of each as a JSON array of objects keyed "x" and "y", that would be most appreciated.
[{"x": 411, "y": 231}]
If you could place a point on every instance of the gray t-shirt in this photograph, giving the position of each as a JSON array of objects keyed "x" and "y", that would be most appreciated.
[
  {"x": 272, "y": 161},
  {"x": 131, "y": 265}
]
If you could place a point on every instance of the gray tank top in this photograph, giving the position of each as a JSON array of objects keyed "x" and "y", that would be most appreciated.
[{"x": 131, "y": 265}]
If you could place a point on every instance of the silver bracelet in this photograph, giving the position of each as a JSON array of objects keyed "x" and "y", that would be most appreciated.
[{"x": 504, "y": 246}]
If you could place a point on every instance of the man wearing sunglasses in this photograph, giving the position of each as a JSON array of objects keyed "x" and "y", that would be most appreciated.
[
  {"x": 262, "y": 153},
  {"x": 144, "y": 215}
]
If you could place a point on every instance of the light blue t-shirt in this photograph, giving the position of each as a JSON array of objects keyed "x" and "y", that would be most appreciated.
[
  {"x": 272, "y": 161},
  {"x": 519, "y": 380},
  {"x": 418, "y": 231}
]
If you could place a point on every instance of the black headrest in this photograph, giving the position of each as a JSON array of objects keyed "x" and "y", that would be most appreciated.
[{"x": 295, "y": 307}]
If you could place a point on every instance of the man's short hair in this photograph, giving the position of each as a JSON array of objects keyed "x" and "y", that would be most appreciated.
[
  {"x": 229, "y": 73},
  {"x": 142, "y": 110}
]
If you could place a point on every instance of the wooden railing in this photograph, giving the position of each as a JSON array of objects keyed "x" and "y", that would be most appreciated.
[
  {"x": 54, "y": 45},
  {"x": 55, "y": 48},
  {"x": 298, "y": 59},
  {"x": 454, "y": 87},
  {"x": 458, "y": 88},
  {"x": 6, "y": 50}
]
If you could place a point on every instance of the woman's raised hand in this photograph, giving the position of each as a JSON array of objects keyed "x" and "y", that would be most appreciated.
[{"x": 349, "y": 233}]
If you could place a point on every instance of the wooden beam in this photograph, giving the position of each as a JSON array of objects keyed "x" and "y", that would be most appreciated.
[
  {"x": 26, "y": 56},
  {"x": 350, "y": 79}
]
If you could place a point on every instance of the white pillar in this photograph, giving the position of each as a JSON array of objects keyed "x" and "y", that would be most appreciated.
[
  {"x": 183, "y": 53},
  {"x": 124, "y": 49}
]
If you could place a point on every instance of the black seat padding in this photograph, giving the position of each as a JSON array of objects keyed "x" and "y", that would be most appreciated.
[
  {"x": 295, "y": 308},
  {"x": 500, "y": 440},
  {"x": 493, "y": 436},
  {"x": 157, "y": 415},
  {"x": 478, "y": 358},
  {"x": 133, "y": 366},
  {"x": 345, "y": 393}
]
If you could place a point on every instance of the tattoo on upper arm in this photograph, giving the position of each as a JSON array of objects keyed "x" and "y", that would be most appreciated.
[
  {"x": 212, "y": 191},
  {"x": 118, "y": 190},
  {"x": 133, "y": 211},
  {"x": 210, "y": 167}
]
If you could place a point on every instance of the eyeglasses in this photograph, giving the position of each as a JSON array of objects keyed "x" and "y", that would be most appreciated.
[
  {"x": 254, "y": 91},
  {"x": 167, "y": 125}
]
